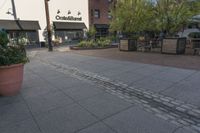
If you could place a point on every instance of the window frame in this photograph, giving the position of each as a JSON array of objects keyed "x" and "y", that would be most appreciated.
[{"x": 97, "y": 13}]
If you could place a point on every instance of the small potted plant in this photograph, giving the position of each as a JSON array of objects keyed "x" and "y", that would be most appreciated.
[{"x": 12, "y": 60}]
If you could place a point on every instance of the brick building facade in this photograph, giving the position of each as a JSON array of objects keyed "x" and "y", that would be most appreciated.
[{"x": 100, "y": 15}]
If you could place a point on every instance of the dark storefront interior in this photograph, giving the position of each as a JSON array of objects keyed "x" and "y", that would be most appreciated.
[
  {"x": 26, "y": 30},
  {"x": 102, "y": 30},
  {"x": 68, "y": 32}
]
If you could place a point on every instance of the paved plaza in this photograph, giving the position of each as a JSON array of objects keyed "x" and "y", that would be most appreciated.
[
  {"x": 65, "y": 92},
  {"x": 186, "y": 61}
]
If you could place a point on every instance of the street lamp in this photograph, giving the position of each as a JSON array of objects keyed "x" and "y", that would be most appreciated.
[
  {"x": 48, "y": 25},
  {"x": 14, "y": 9}
]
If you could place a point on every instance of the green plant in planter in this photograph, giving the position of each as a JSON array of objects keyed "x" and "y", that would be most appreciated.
[
  {"x": 11, "y": 54},
  {"x": 87, "y": 44},
  {"x": 103, "y": 42},
  {"x": 91, "y": 33},
  {"x": 3, "y": 39}
]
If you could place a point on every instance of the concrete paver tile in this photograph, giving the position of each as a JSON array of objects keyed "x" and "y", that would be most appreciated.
[
  {"x": 10, "y": 100},
  {"x": 97, "y": 128},
  {"x": 138, "y": 121},
  {"x": 188, "y": 93},
  {"x": 67, "y": 120},
  {"x": 104, "y": 105},
  {"x": 26, "y": 126},
  {"x": 82, "y": 91},
  {"x": 43, "y": 103},
  {"x": 151, "y": 84},
  {"x": 13, "y": 113}
]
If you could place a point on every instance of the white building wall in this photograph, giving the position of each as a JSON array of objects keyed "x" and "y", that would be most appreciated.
[{"x": 35, "y": 10}]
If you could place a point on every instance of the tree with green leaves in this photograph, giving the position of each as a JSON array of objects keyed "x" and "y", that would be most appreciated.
[
  {"x": 167, "y": 16},
  {"x": 173, "y": 15},
  {"x": 132, "y": 16},
  {"x": 91, "y": 32}
]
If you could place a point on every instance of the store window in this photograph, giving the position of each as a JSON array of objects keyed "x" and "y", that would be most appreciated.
[
  {"x": 92, "y": 13},
  {"x": 27, "y": 37},
  {"x": 97, "y": 13},
  {"x": 68, "y": 36},
  {"x": 102, "y": 32}
]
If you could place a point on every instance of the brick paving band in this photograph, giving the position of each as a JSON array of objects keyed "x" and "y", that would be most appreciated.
[{"x": 167, "y": 108}]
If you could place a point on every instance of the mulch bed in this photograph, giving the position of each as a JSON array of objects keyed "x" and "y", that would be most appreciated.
[
  {"x": 91, "y": 48},
  {"x": 179, "y": 61}
]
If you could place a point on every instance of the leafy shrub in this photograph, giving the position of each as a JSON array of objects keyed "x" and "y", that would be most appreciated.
[
  {"x": 113, "y": 38},
  {"x": 103, "y": 42},
  {"x": 87, "y": 44},
  {"x": 11, "y": 54},
  {"x": 82, "y": 44},
  {"x": 91, "y": 32},
  {"x": 3, "y": 39},
  {"x": 90, "y": 44}
]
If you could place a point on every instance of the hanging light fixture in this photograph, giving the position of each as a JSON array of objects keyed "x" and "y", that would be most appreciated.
[
  {"x": 9, "y": 12},
  {"x": 58, "y": 12},
  {"x": 69, "y": 12}
]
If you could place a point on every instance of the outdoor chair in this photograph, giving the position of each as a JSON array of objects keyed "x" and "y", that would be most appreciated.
[{"x": 143, "y": 46}]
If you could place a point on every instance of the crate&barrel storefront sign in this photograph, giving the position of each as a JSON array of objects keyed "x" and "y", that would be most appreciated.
[{"x": 69, "y": 18}]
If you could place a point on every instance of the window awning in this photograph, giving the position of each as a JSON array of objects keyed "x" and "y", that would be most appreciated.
[
  {"x": 19, "y": 25},
  {"x": 69, "y": 26},
  {"x": 101, "y": 26}
]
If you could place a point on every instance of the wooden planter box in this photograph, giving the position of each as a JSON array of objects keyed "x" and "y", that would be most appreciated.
[
  {"x": 173, "y": 45},
  {"x": 128, "y": 45},
  {"x": 195, "y": 43}
]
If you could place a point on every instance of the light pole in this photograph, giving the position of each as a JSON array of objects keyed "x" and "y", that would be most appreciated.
[
  {"x": 14, "y": 13},
  {"x": 14, "y": 9},
  {"x": 48, "y": 25}
]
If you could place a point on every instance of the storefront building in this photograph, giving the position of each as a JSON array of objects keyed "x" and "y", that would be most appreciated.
[
  {"x": 67, "y": 32},
  {"x": 69, "y": 19},
  {"x": 27, "y": 30}
]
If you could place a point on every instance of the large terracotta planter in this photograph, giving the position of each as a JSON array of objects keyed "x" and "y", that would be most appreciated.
[{"x": 11, "y": 78}]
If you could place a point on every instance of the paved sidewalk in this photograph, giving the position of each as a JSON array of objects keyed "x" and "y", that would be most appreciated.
[
  {"x": 179, "y": 61},
  {"x": 70, "y": 93}
]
